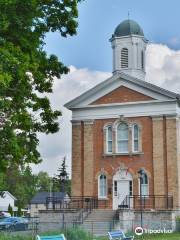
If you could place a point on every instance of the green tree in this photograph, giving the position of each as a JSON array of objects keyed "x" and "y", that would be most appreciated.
[
  {"x": 61, "y": 181},
  {"x": 19, "y": 211},
  {"x": 27, "y": 74},
  {"x": 43, "y": 182},
  {"x": 21, "y": 183},
  {"x": 10, "y": 210},
  {"x": 3, "y": 184}
]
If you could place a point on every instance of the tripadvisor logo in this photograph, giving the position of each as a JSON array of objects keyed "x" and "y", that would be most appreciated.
[{"x": 139, "y": 231}]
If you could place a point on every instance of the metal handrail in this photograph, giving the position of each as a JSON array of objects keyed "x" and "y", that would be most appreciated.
[
  {"x": 86, "y": 202},
  {"x": 147, "y": 202}
]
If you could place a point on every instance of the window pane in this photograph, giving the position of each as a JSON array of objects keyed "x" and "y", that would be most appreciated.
[
  {"x": 102, "y": 186},
  {"x": 109, "y": 133},
  {"x": 136, "y": 138},
  {"x": 144, "y": 179},
  {"x": 122, "y": 146},
  {"x": 136, "y": 132},
  {"x": 105, "y": 191},
  {"x": 102, "y": 177},
  {"x": 144, "y": 189},
  {"x": 122, "y": 138},
  {"x": 136, "y": 145},
  {"x": 122, "y": 131},
  {"x": 109, "y": 139},
  {"x": 130, "y": 188},
  {"x": 101, "y": 191},
  {"x": 109, "y": 146}
]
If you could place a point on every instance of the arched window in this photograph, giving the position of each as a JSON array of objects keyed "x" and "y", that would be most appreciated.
[
  {"x": 122, "y": 138},
  {"x": 124, "y": 58},
  {"x": 102, "y": 186},
  {"x": 142, "y": 59},
  {"x": 135, "y": 138},
  {"x": 109, "y": 139},
  {"x": 144, "y": 185}
]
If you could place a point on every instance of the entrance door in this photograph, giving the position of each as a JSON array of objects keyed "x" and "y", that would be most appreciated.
[
  {"x": 122, "y": 186},
  {"x": 123, "y": 190}
]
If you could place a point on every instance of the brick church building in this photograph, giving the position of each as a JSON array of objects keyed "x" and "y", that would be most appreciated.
[{"x": 123, "y": 125}]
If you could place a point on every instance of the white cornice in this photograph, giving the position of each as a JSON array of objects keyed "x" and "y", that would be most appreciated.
[
  {"x": 138, "y": 109},
  {"x": 127, "y": 104}
]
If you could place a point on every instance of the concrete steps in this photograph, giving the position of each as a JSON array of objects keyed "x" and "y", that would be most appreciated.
[{"x": 99, "y": 221}]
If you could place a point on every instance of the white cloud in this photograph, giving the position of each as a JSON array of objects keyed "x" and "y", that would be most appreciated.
[
  {"x": 162, "y": 69},
  {"x": 55, "y": 146}
]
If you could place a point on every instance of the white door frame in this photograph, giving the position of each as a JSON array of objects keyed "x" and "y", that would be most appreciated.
[{"x": 120, "y": 176}]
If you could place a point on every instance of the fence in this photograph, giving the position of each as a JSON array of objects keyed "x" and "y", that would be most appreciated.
[
  {"x": 55, "y": 203},
  {"x": 96, "y": 228},
  {"x": 158, "y": 202},
  {"x": 130, "y": 202}
]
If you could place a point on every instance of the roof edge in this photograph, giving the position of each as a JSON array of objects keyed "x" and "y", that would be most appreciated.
[{"x": 69, "y": 105}]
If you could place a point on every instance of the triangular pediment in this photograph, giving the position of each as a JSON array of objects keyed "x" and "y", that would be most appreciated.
[
  {"x": 121, "y": 88},
  {"x": 121, "y": 95}
]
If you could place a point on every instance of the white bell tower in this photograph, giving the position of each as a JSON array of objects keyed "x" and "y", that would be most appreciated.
[{"x": 129, "y": 49}]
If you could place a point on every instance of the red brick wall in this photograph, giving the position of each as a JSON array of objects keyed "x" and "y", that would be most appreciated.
[
  {"x": 134, "y": 162},
  {"x": 122, "y": 94}
]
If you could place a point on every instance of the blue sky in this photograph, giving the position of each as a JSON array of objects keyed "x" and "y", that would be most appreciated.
[{"x": 97, "y": 20}]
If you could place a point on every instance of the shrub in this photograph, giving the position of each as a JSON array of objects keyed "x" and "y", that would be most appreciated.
[
  {"x": 10, "y": 210},
  {"x": 78, "y": 234},
  {"x": 178, "y": 218}
]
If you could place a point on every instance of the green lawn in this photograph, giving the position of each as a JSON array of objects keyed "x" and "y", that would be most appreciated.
[
  {"x": 77, "y": 234},
  {"x": 8, "y": 237},
  {"x": 173, "y": 236}
]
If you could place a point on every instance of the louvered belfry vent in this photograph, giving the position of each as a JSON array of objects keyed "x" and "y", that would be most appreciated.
[{"x": 124, "y": 58}]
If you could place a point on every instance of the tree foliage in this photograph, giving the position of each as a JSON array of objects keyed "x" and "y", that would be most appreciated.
[
  {"x": 20, "y": 182},
  {"x": 23, "y": 184},
  {"x": 10, "y": 209},
  {"x": 61, "y": 181},
  {"x": 19, "y": 211},
  {"x": 44, "y": 182},
  {"x": 27, "y": 74}
]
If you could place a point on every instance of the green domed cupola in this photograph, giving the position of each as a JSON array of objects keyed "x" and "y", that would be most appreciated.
[
  {"x": 129, "y": 49},
  {"x": 128, "y": 27}
]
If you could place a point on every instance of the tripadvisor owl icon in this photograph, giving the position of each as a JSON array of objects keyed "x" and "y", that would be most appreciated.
[{"x": 139, "y": 231}]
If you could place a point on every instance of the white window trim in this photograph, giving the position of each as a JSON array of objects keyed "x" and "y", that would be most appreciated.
[
  {"x": 133, "y": 150},
  {"x": 99, "y": 196},
  {"x": 106, "y": 129},
  {"x": 121, "y": 139}
]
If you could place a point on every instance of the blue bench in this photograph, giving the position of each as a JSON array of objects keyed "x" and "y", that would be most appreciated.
[
  {"x": 55, "y": 237},
  {"x": 119, "y": 235}
]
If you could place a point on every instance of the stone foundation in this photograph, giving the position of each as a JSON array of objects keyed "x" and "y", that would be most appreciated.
[{"x": 154, "y": 220}]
